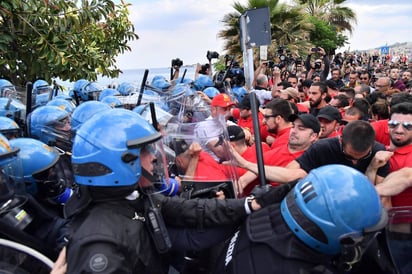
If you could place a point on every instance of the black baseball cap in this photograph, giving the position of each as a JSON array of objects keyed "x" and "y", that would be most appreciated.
[
  {"x": 246, "y": 102},
  {"x": 330, "y": 113},
  {"x": 235, "y": 133},
  {"x": 308, "y": 120}
]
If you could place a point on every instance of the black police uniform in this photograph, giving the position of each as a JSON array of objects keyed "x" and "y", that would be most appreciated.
[
  {"x": 113, "y": 237},
  {"x": 265, "y": 244}
]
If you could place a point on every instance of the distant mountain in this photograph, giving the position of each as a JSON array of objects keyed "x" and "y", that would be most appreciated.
[{"x": 399, "y": 48}]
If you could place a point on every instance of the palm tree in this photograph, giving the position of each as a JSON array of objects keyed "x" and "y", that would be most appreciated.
[
  {"x": 331, "y": 11},
  {"x": 289, "y": 27}
]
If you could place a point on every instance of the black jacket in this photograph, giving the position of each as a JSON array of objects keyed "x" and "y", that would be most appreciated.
[{"x": 113, "y": 236}]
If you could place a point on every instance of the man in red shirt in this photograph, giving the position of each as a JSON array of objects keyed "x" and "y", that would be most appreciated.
[
  {"x": 238, "y": 142},
  {"x": 381, "y": 126},
  {"x": 400, "y": 131},
  {"x": 275, "y": 116},
  {"x": 196, "y": 165},
  {"x": 303, "y": 134},
  {"x": 245, "y": 119}
]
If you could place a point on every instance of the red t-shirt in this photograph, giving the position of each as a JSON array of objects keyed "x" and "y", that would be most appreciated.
[
  {"x": 210, "y": 170},
  {"x": 302, "y": 108},
  {"x": 280, "y": 156},
  {"x": 250, "y": 155},
  {"x": 282, "y": 138},
  {"x": 248, "y": 122},
  {"x": 335, "y": 134},
  {"x": 402, "y": 157},
  {"x": 381, "y": 131}
]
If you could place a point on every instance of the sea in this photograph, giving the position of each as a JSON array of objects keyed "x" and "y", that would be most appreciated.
[{"x": 135, "y": 76}]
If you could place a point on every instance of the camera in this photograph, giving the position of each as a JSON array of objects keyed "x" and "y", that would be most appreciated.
[
  {"x": 280, "y": 50},
  {"x": 212, "y": 55},
  {"x": 177, "y": 62},
  {"x": 318, "y": 65},
  {"x": 315, "y": 49},
  {"x": 299, "y": 60},
  {"x": 271, "y": 64}
]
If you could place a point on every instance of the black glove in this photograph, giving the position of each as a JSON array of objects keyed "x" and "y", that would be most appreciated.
[{"x": 267, "y": 194}]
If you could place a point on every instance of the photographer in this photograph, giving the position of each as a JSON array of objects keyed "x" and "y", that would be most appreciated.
[
  {"x": 206, "y": 69},
  {"x": 174, "y": 70},
  {"x": 321, "y": 66}
]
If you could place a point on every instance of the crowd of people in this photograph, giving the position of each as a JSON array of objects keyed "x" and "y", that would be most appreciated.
[{"x": 168, "y": 179}]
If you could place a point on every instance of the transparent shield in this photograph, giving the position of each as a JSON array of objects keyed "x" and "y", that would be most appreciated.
[
  {"x": 195, "y": 154},
  {"x": 155, "y": 178},
  {"x": 192, "y": 109},
  {"x": 399, "y": 236},
  {"x": 19, "y": 259}
]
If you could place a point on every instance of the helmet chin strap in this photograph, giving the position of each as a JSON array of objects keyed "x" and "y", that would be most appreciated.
[{"x": 148, "y": 176}]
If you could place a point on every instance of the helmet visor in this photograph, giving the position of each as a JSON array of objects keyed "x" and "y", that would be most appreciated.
[{"x": 154, "y": 165}]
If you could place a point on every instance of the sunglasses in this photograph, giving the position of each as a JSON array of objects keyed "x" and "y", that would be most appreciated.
[
  {"x": 272, "y": 115},
  {"x": 351, "y": 158},
  {"x": 394, "y": 124},
  {"x": 364, "y": 78}
]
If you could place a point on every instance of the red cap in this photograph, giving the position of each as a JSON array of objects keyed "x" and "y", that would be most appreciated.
[{"x": 222, "y": 100}]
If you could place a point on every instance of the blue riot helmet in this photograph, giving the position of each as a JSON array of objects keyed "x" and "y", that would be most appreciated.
[
  {"x": 112, "y": 101},
  {"x": 78, "y": 87},
  {"x": 331, "y": 204},
  {"x": 108, "y": 92},
  {"x": 51, "y": 125},
  {"x": 63, "y": 104},
  {"x": 239, "y": 93},
  {"x": 85, "y": 111},
  {"x": 9, "y": 128},
  {"x": 202, "y": 82},
  {"x": 126, "y": 88},
  {"x": 42, "y": 174},
  {"x": 41, "y": 86},
  {"x": 86, "y": 90},
  {"x": 13, "y": 109},
  {"x": 117, "y": 159},
  {"x": 183, "y": 81},
  {"x": 41, "y": 92},
  {"x": 65, "y": 97},
  {"x": 211, "y": 92},
  {"x": 92, "y": 91},
  {"x": 159, "y": 82},
  {"x": 7, "y": 89}
]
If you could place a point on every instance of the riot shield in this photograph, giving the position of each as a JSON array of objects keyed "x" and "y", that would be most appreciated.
[
  {"x": 196, "y": 153},
  {"x": 399, "y": 237},
  {"x": 20, "y": 259}
]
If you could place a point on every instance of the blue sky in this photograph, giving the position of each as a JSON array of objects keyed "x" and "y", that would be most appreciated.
[{"x": 188, "y": 28}]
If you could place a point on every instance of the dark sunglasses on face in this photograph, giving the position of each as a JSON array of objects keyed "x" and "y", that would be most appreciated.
[
  {"x": 268, "y": 116},
  {"x": 351, "y": 158},
  {"x": 394, "y": 124}
]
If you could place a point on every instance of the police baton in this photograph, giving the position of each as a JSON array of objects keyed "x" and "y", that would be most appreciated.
[
  {"x": 142, "y": 86},
  {"x": 258, "y": 142},
  {"x": 29, "y": 98}
]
